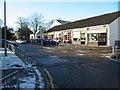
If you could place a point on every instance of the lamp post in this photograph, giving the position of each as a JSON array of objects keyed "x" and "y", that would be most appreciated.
[{"x": 5, "y": 28}]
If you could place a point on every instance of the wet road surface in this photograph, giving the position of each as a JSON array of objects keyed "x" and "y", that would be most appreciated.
[{"x": 71, "y": 69}]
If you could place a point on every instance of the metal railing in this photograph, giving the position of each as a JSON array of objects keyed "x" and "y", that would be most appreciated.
[
  {"x": 10, "y": 80},
  {"x": 116, "y": 50}
]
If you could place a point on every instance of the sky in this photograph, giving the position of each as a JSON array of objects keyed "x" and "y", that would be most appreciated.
[{"x": 70, "y": 10}]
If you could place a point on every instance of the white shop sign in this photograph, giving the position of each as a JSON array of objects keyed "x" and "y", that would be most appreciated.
[
  {"x": 76, "y": 35},
  {"x": 97, "y": 31}
]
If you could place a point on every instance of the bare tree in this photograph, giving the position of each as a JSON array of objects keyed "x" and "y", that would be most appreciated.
[
  {"x": 23, "y": 30},
  {"x": 48, "y": 24},
  {"x": 21, "y": 22},
  {"x": 36, "y": 21}
]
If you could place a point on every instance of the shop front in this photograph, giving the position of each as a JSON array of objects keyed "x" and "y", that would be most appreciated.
[
  {"x": 98, "y": 38},
  {"x": 76, "y": 37},
  {"x": 66, "y": 36},
  {"x": 50, "y": 35}
]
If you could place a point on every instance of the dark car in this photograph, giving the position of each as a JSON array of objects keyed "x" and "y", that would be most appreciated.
[
  {"x": 49, "y": 42},
  {"x": 38, "y": 41},
  {"x": 32, "y": 41}
]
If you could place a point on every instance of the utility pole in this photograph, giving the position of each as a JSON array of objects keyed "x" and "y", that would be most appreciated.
[{"x": 5, "y": 28}]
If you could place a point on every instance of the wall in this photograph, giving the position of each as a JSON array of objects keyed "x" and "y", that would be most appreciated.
[
  {"x": 55, "y": 23},
  {"x": 113, "y": 32},
  {"x": 31, "y": 36}
]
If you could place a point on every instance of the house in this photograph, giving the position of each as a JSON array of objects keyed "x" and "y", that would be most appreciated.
[
  {"x": 37, "y": 35},
  {"x": 22, "y": 34},
  {"x": 58, "y": 22},
  {"x": 100, "y": 30}
]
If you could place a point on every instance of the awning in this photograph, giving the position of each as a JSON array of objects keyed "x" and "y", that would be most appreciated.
[{"x": 50, "y": 33}]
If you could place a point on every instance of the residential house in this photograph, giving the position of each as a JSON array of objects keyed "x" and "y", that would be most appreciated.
[
  {"x": 37, "y": 35},
  {"x": 21, "y": 34},
  {"x": 56, "y": 22},
  {"x": 100, "y": 30}
]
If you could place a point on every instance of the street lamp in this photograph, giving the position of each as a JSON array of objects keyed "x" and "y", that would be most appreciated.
[{"x": 5, "y": 28}]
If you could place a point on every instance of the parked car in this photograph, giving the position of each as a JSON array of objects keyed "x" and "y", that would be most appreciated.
[
  {"x": 48, "y": 42},
  {"x": 21, "y": 41},
  {"x": 38, "y": 41}
]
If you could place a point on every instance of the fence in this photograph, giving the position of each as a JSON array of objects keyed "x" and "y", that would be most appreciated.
[
  {"x": 21, "y": 54},
  {"x": 10, "y": 80}
]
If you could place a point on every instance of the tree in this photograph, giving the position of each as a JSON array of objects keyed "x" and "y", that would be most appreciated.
[
  {"x": 23, "y": 31},
  {"x": 21, "y": 22},
  {"x": 48, "y": 24},
  {"x": 9, "y": 34},
  {"x": 36, "y": 21}
]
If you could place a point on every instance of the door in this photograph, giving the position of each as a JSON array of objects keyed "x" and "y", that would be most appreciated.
[{"x": 102, "y": 39}]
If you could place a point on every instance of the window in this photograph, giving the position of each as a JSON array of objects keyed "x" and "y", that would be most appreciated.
[
  {"x": 82, "y": 36},
  {"x": 102, "y": 37},
  {"x": 38, "y": 36},
  {"x": 92, "y": 37},
  {"x": 75, "y": 39}
]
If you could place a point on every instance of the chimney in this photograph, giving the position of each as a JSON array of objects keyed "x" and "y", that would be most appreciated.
[{"x": 59, "y": 19}]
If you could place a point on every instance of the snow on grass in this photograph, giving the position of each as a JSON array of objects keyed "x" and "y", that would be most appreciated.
[{"x": 11, "y": 60}]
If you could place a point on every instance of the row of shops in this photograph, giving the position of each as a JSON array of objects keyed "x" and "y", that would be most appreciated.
[
  {"x": 100, "y": 30},
  {"x": 82, "y": 36}
]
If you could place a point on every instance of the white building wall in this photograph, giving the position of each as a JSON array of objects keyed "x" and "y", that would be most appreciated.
[
  {"x": 31, "y": 36},
  {"x": 55, "y": 23},
  {"x": 114, "y": 32},
  {"x": 36, "y": 36}
]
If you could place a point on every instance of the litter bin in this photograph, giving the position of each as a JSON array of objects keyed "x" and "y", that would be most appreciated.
[
  {"x": 117, "y": 49},
  {"x": 117, "y": 43}
]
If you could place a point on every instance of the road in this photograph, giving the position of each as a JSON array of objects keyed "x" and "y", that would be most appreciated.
[{"x": 72, "y": 69}]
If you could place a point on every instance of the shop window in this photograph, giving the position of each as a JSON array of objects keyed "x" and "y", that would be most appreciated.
[
  {"x": 38, "y": 36},
  {"x": 82, "y": 36},
  {"x": 102, "y": 37},
  {"x": 75, "y": 39},
  {"x": 93, "y": 37}
]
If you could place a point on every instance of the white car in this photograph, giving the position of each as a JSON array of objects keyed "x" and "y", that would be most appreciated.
[{"x": 21, "y": 41}]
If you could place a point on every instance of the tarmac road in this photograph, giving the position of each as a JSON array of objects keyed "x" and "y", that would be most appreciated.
[{"x": 72, "y": 69}]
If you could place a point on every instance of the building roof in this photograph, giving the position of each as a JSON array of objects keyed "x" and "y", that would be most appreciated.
[
  {"x": 92, "y": 21},
  {"x": 62, "y": 21}
]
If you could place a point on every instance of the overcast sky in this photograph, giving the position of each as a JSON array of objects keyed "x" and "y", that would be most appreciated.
[{"x": 69, "y": 11}]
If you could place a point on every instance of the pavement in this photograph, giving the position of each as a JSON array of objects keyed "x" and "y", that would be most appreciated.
[{"x": 27, "y": 76}]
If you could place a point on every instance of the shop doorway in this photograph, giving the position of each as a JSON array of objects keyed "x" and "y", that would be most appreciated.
[
  {"x": 83, "y": 38},
  {"x": 102, "y": 39}
]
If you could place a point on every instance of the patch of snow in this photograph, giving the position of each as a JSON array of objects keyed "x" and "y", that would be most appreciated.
[
  {"x": 29, "y": 82},
  {"x": 13, "y": 62},
  {"x": 41, "y": 83},
  {"x": 116, "y": 60}
]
